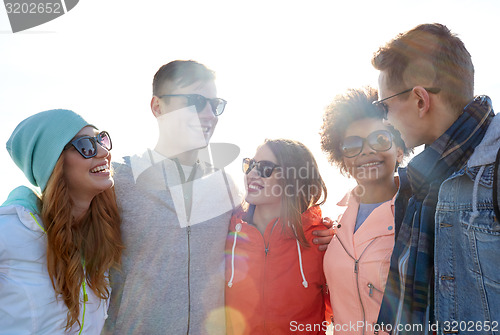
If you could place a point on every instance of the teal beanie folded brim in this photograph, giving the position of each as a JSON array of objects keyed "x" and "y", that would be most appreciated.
[{"x": 38, "y": 141}]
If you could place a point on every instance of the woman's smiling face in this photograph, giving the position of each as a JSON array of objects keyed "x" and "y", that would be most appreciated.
[
  {"x": 371, "y": 165},
  {"x": 260, "y": 190},
  {"x": 87, "y": 177}
]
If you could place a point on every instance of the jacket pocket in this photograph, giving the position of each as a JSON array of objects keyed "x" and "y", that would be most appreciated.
[{"x": 481, "y": 241}]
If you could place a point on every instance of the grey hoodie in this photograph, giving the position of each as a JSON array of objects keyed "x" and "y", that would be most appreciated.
[{"x": 172, "y": 277}]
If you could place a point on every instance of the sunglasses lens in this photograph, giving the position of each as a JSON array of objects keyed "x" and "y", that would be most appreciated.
[
  {"x": 380, "y": 140},
  {"x": 104, "y": 140},
  {"x": 265, "y": 169},
  {"x": 86, "y": 147},
  {"x": 218, "y": 106},
  {"x": 352, "y": 146},
  {"x": 198, "y": 101},
  {"x": 247, "y": 165}
]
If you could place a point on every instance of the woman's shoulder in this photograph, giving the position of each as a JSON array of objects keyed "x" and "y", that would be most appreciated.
[
  {"x": 238, "y": 216},
  {"x": 19, "y": 229},
  {"x": 18, "y": 216},
  {"x": 312, "y": 217}
]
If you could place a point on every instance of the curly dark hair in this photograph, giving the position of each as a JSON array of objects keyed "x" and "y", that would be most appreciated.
[{"x": 345, "y": 109}]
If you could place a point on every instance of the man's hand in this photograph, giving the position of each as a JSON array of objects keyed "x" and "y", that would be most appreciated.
[{"x": 324, "y": 236}]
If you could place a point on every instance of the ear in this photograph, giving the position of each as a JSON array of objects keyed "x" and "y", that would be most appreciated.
[
  {"x": 423, "y": 101},
  {"x": 399, "y": 158},
  {"x": 399, "y": 155},
  {"x": 155, "y": 106}
]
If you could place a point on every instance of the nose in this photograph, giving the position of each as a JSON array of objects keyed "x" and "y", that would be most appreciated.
[
  {"x": 366, "y": 149},
  {"x": 207, "y": 113},
  {"x": 253, "y": 172},
  {"x": 102, "y": 151}
]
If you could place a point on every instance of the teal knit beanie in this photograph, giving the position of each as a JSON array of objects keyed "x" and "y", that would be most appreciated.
[{"x": 38, "y": 141}]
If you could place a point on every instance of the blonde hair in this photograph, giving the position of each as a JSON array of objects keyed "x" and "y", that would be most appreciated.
[{"x": 94, "y": 240}]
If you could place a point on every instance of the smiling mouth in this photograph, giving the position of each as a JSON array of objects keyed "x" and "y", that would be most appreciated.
[
  {"x": 254, "y": 188},
  {"x": 100, "y": 169},
  {"x": 206, "y": 129},
  {"x": 370, "y": 164}
]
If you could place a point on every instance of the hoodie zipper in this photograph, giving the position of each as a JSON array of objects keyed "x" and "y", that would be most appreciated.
[
  {"x": 187, "y": 188},
  {"x": 266, "y": 250},
  {"x": 266, "y": 247},
  {"x": 356, "y": 271},
  {"x": 188, "y": 277}
]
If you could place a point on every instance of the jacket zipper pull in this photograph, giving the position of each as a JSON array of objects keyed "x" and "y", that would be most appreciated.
[
  {"x": 372, "y": 287},
  {"x": 356, "y": 266}
]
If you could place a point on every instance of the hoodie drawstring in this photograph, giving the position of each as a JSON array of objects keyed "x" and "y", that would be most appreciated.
[
  {"x": 238, "y": 229},
  {"x": 304, "y": 281},
  {"x": 475, "y": 212},
  {"x": 34, "y": 218}
]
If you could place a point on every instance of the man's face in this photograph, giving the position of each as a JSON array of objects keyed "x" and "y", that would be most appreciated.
[
  {"x": 181, "y": 123},
  {"x": 402, "y": 112},
  {"x": 206, "y": 117}
]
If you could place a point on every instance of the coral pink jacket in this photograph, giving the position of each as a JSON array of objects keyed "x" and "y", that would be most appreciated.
[{"x": 356, "y": 266}]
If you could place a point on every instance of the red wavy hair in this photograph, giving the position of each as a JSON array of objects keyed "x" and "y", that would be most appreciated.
[{"x": 95, "y": 240}]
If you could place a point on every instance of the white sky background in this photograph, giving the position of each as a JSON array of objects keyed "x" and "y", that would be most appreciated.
[{"x": 278, "y": 64}]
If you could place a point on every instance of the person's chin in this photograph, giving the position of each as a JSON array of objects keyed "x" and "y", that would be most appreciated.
[
  {"x": 203, "y": 146},
  {"x": 409, "y": 143},
  {"x": 105, "y": 185},
  {"x": 193, "y": 143},
  {"x": 252, "y": 199},
  {"x": 208, "y": 137},
  {"x": 103, "y": 181}
]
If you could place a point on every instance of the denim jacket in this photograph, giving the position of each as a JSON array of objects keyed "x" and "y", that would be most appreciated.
[{"x": 467, "y": 246}]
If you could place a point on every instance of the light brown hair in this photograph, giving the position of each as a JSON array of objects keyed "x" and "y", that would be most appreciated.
[
  {"x": 299, "y": 192},
  {"x": 180, "y": 73},
  {"x": 430, "y": 53}
]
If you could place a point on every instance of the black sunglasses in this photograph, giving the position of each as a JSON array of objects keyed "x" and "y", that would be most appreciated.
[
  {"x": 385, "y": 109},
  {"x": 379, "y": 140},
  {"x": 264, "y": 168},
  {"x": 87, "y": 145},
  {"x": 199, "y": 101}
]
